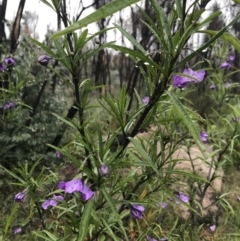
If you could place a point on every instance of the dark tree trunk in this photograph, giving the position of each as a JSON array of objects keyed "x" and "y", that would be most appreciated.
[
  {"x": 16, "y": 27},
  {"x": 3, "y": 7}
]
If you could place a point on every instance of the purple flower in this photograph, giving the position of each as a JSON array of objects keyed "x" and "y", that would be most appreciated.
[
  {"x": 9, "y": 105},
  {"x": 184, "y": 198},
  {"x": 103, "y": 170},
  {"x": 2, "y": 67},
  {"x": 227, "y": 85},
  {"x": 86, "y": 192},
  {"x": 151, "y": 239},
  {"x": 145, "y": 99},
  {"x": 58, "y": 154},
  {"x": 17, "y": 230},
  {"x": 226, "y": 65},
  {"x": 199, "y": 75},
  {"x": 181, "y": 81},
  {"x": 163, "y": 204},
  {"x": 10, "y": 61},
  {"x": 44, "y": 60},
  {"x": 212, "y": 228},
  {"x": 73, "y": 186},
  {"x": 212, "y": 87},
  {"x": 52, "y": 202},
  {"x": 19, "y": 197},
  {"x": 231, "y": 58},
  {"x": 203, "y": 136},
  {"x": 61, "y": 185},
  {"x": 77, "y": 185},
  {"x": 137, "y": 211}
]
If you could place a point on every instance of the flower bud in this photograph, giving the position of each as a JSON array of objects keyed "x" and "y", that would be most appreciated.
[
  {"x": 44, "y": 60},
  {"x": 103, "y": 170}
]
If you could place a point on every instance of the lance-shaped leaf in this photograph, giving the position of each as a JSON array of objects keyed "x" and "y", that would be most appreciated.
[{"x": 102, "y": 12}]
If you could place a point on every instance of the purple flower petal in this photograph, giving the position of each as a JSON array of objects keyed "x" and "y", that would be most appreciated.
[
  {"x": 227, "y": 85},
  {"x": 203, "y": 136},
  {"x": 137, "y": 211},
  {"x": 184, "y": 198},
  {"x": 17, "y": 230},
  {"x": 52, "y": 202},
  {"x": 73, "y": 186},
  {"x": 145, "y": 99},
  {"x": 2, "y": 67},
  {"x": 58, "y": 154},
  {"x": 19, "y": 197},
  {"x": 86, "y": 192},
  {"x": 103, "y": 170},
  {"x": 44, "y": 60},
  {"x": 213, "y": 87},
  {"x": 213, "y": 228},
  {"x": 164, "y": 204},
  {"x": 10, "y": 61},
  {"x": 226, "y": 65},
  {"x": 231, "y": 58},
  {"x": 61, "y": 185}
]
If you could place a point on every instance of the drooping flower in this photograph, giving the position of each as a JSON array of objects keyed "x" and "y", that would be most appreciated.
[
  {"x": 199, "y": 75},
  {"x": 212, "y": 87},
  {"x": 58, "y": 154},
  {"x": 203, "y": 136},
  {"x": 145, "y": 99},
  {"x": 86, "y": 192},
  {"x": 10, "y": 61},
  {"x": 61, "y": 185},
  {"x": 137, "y": 211},
  {"x": 226, "y": 65},
  {"x": 19, "y": 197},
  {"x": 17, "y": 230},
  {"x": 181, "y": 81},
  {"x": 44, "y": 60},
  {"x": 212, "y": 228},
  {"x": 73, "y": 186},
  {"x": 77, "y": 185},
  {"x": 227, "y": 84},
  {"x": 52, "y": 202},
  {"x": 184, "y": 198},
  {"x": 103, "y": 170},
  {"x": 2, "y": 67}
]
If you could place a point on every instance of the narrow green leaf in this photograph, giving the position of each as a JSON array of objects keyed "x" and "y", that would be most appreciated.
[
  {"x": 226, "y": 36},
  {"x": 163, "y": 22},
  {"x": 48, "y": 4},
  {"x": 101, "y": 13},
  {"x": 50, "y": 235},
  {"x": 110, "y": 232},
  {"x": 81, "y": 40},
  {"x": 44, "y": 47},
  {"x": 179, "y": 10},
  {"x": 130, "y": 38},
  {"x": 208, "y": 43},
  {"x": 10, "y": 218},
  {"x": 114, "y": 211},
  {"x": 140, "y": 150},
  {"x": 63, "y": 58},
  {"x": 186, "y": 120},
  {"x": 84, "y": 223},
  {"x": 13, "y": 175}
]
